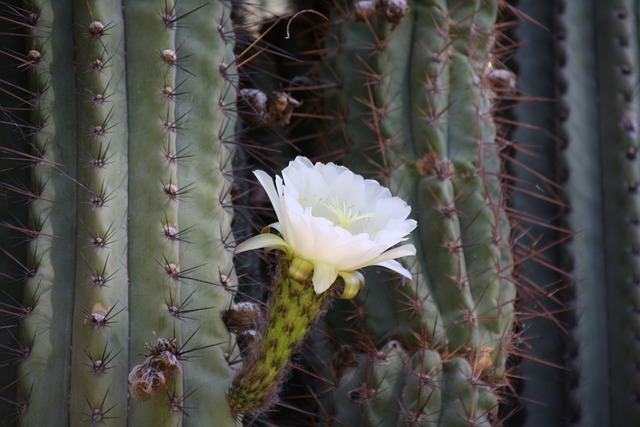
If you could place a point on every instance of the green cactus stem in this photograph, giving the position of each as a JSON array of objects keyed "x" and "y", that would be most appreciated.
[
  {"x": 293, "y": 308},
  {"x": 601, "y": 176}
]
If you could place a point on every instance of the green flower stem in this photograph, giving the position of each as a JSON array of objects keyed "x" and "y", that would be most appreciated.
[{"x": 293, "y": 308}]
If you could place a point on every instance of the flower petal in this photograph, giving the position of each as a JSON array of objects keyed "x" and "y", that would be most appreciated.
[
  {"x": 323, "y": 277},
  {"x": 262, "y": 241},
  {"x": 394, "y": 265},
  {"x": 393, "y": 253},
  {"x": 267, "y": 183}
]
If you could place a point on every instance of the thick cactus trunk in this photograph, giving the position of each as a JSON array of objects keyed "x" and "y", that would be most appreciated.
[
  {"x": 48, "y": 302},
  {"x": 593, "y": 49},
  {"x": 600, "y": 164},
  {"x": 413, "y": 99},
  {"x": 129, "y": 263}
]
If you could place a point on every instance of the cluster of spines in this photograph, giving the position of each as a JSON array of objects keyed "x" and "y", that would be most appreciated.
[
  {"x": 209, "y": 110},
  {"x": 449, "y": 161},
  {"x": 393, "y": 386},
  {"x": 386, "y": 146},
  {"x": 370, "y": 103}
]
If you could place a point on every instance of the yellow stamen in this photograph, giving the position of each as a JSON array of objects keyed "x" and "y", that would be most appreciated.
[{"x": 345, "y": 216}]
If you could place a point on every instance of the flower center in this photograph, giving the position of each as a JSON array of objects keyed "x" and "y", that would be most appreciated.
[{"x": 346, "y": 216}]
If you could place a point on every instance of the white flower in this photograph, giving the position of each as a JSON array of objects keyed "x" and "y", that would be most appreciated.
[{"x": 335, "y": 220}]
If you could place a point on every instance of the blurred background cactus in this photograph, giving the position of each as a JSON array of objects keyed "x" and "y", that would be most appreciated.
[{"x": 129, "y": 132}]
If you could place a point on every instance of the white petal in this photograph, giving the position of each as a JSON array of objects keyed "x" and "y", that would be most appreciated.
[
  {"x": 261, "y": 241},
  {"x": 395, "y": 266},
  {"x": 393, "y": 253},
  {"x": 354, "y": 253},
  {"x": 395, "y": 231},
  {"x": 323, "y": 277},
  {"x": 276, "y": 226},
  {"x": 301, "y": 160},
  {"x": 267, "y": 183}
]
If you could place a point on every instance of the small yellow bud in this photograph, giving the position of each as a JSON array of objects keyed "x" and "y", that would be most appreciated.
[
  {"x": 300, "y": 270},
  {"x": 348, "y": 284}
]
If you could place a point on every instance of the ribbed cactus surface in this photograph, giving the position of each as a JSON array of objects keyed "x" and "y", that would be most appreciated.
[
  {"x": 130, "y": 213},
  {"x": 412, "y": 99}
]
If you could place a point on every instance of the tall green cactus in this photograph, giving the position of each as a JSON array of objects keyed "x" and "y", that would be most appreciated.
[
  {"x": 130, "y": 212},
  {"x": 413, "y": 99},
  {"x": 537, "y": 195},
  {"x": 596, "y": 117}
]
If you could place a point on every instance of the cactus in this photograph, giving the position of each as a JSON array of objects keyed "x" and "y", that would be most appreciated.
[
  {"x": 125, "y": 117},
  {"x": 413, "y": 101},
  {"x": 537, "y": 196},
  {"x": 597, "y": 154},
  {"x": 128, "y": 257}
]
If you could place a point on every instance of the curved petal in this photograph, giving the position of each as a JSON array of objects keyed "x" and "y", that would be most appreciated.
[
  {"x": 267, "y": 183},
  {"x": 354, "y": 253},
  {"x": 262, "y": 241},
  {"x": 323, "y": 277},
  {"x": 276, "y": 226},
  {"x": 393, "y": 253},
  {"x": 394, "y": 265}
]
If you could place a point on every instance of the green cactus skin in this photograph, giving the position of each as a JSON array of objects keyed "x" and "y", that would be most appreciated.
[
  {"x": 48, "y": 296},
  {"x": 464, "y": 405},
  {"x": 455, "y": 95},
  {"x": 369, "y": 393},
  {"x": 393, "y": 388},
  {"x": 590, "y": 358},
  {"x": 618, "y": 147},
  {"x": 209, "y": 130},
  {"x": 422, "y": 394},
  {"x": 132, "y": 265},
  {"x": 595, "y": 120},
  {"x": 100, "y": 328}
]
